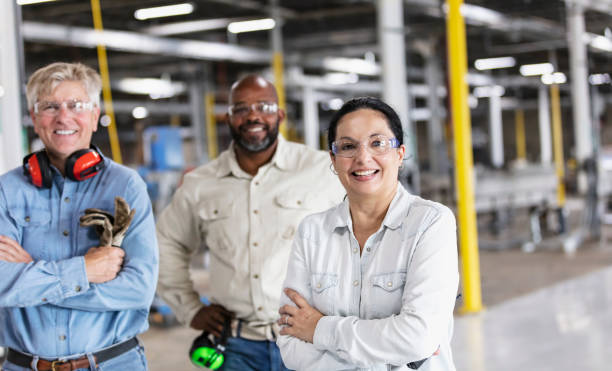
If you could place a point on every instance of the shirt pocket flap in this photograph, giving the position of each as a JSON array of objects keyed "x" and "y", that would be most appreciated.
[
  {"x": 322, "y": 281},
  {"x": 215, "y": 209},
  {"x": 295, "y": 200},
  {"x": 389, "y": 281},
  {"x": 30, "y": 217}
]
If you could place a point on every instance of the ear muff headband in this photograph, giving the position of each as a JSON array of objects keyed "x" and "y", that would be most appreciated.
[{"x": 80, "y": 165}]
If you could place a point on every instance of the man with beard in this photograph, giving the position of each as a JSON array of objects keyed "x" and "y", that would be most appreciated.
[{"x": 245, "y": 207}]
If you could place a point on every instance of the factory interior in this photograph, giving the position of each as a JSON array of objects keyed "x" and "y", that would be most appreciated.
[{"x": 522, "y": 153}]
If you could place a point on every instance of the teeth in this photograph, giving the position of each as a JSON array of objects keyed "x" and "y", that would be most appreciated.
[
  {"x": 254, "y": 130},
  {"x": 364, "y": 172},
  {"x": 65, "y": 132}
]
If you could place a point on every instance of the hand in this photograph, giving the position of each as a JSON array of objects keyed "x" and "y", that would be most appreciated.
[
  {"x": 12, "y": 252},
  {"x": 103, "y": 263},
  {"x": 211, "y": 318},
  {"x": 300, "y": 322}
]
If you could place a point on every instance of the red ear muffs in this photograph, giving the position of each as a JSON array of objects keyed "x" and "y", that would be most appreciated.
[
  {"x": 84, "y": 164},
  {"x": 80, "y": 165},
  {"x": 36, "y": 168}
]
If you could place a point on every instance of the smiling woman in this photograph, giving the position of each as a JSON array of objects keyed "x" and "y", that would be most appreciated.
[{"x": 373, "y": 281}]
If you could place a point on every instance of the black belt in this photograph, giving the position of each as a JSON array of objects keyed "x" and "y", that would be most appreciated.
[{"x": 25, "y": 360}]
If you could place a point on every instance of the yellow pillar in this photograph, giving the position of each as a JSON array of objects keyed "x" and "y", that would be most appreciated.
[
  {"x": 211, "y": 126},
  {"x": 555, "y": 107},
  {"x": 277, "y": 66},
  {"x": 519, "y": 127},
  {"x": 106, "y": 92},
  {"x": 464, "y": 173}
]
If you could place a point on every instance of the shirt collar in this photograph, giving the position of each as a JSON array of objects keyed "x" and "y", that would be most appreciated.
[
  {"x": 398, "y": 209},
  {"x": 228, "y": 163}
]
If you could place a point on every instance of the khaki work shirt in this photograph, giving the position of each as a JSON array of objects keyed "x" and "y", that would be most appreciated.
[{"x": 248, "y": 224}]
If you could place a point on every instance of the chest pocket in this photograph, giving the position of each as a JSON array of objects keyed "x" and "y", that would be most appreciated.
[
  {"x": 215, "y": 222},
  {"x": 386, "y": 293},
  {"x": 292, "y": 208},
  {"x": 35, "y": 226},
  {"x": 324, "y": 286}
]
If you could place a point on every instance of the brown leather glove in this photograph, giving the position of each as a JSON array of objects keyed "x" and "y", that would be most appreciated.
[{"x": 111, "y": 229}]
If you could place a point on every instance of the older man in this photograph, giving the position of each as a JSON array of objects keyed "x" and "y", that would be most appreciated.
[
  {"x": 245, "y": 207},
  {"x": 65, "y": 302}
]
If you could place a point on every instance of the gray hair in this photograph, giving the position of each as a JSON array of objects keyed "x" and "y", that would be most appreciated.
[{"x": 46, "y": 79}]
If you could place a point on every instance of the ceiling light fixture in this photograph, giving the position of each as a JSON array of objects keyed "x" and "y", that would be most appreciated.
[
  {"x": 30, "y": 2},
  {"x": 554, "y": 78},
  {"x": 536, "y": 69},
  {"x": 250, "y": 26},
  {"x": 140, "y": 112},
  {"x": 493, "y": 63},
  {"x": 155, "y": 88},
  {"x": 489, "y": 91},
  {"x": 352, "y": 65},
  {"x": 163, "y": 11}
]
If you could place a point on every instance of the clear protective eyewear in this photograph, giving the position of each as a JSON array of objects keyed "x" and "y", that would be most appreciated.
[
  {"x": 53, "y": 108},
  {"x": 376, "y": 145},
  {"x": 242, "y": 110}
]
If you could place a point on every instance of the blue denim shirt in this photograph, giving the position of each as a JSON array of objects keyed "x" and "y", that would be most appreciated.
[{"x": 47, "y": 307}]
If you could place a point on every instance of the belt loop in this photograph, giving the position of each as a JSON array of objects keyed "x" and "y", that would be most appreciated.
[
  {"x": 239, "y": 328},
  {"x": 93, "y": 366},
  {"x": 34, "y": 363}
]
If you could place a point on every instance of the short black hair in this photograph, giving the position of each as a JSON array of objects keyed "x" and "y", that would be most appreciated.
[{"x": 370, "y": 103}]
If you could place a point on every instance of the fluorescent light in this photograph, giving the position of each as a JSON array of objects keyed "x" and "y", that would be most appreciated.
[
  {"x": 601, "y": 43},
  {"x": 250, "y": 26},
  {"x": 1, "y": 91},
  {"x": 536, "y": 69},
  {"x": 140, "y": 112},
  {"x": 480, "y": 14},
  {"x": 489, "y": 91},
  {"x": 492, "y": 63},
  {"x": 352, "y": 65},
  {"x": 163, "y": 11},
  {"x": 554, "y": 78},
  {"x": 155, "y": 88},
  {"x": 189, "y": 26},
  {"x": 335, "y": 103},
  {"x": 594, "y": 79},
  {"x": 340, "y": 78},
  {"x": 29, "y": 2}
]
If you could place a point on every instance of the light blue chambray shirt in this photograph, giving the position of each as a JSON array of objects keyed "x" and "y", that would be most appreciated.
[
  {"x": 389, "y": 306},
  {"x": 47, "y": 307}
]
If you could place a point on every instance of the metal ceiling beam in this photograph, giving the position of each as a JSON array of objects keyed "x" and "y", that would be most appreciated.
[{"x": 139, "y": 43}]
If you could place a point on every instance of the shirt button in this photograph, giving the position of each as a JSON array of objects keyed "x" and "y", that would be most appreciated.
[
  {"x": 256, "y": 183},
  {"x": 67, "y": 199},
  {"x": 62, "y": 337},
  {"x": 389, "y": 283},
  {"x": 355, "y": 250},
  {"x": 299, "y": 202},
  {"x": 255, "y": 211},
  {"x": 368, "y": 249},
  {"x": 65, "y": 233},
  {"x": 318, "y": 285},
  {"x": 256, "y": 276},
  {"x": 355, "y": 283},
  {"x": 77, "y": 288},
  {"x": 260, "y": 308},
  {"x": 27, "y": 218},
  {"x": 255, "y": 244},
  {"x": 44, "y": 300},
  {"x": 215, "y": 212}
]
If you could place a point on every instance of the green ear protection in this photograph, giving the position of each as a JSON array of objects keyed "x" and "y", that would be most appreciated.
[{"x": 207, "y": 350}]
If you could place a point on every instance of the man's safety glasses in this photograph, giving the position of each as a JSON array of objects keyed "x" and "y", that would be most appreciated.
[
  {"x": 242, "y": 110},
  {"x": 376, "y": 145},
  {"x": 53, "y": 108}
]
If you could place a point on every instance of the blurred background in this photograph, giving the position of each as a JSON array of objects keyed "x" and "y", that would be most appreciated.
[{"x": 539, "y": 124}]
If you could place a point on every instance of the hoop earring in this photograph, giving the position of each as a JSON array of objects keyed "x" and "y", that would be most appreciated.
[{"x": 331, "y": 167}]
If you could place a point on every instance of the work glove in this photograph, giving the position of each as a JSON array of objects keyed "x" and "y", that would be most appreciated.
[{"x": 110, "y": 228}]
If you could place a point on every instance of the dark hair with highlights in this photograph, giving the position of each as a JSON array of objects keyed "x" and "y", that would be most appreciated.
[{"x": 370, "y": 103}]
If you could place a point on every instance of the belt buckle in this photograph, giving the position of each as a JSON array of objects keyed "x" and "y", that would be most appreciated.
[{"x": 56, "y": 363}]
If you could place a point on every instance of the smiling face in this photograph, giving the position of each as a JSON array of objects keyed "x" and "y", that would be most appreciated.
[
  {"x": 365, "y": 174},
  {"x": 66, "y": 131},
  {"x": 254, "y": 130}
]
